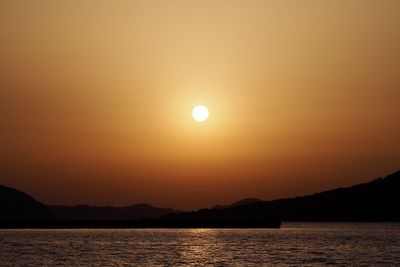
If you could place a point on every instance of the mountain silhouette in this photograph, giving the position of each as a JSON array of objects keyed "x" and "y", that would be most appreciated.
[
  {"x": 85, "y": 212},
  {"x": 373, "y": 201},
  {"x": 242, "y": 202},
  {"x": 15, "y": 205},
  {"x": 376, "y": 200}
]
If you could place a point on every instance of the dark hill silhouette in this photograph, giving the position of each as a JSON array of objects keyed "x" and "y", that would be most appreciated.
[
  {"x": 242, "y": 202},
  {"x": 85, "y": 212},
  {"x": 15, "y": 205},
  {"x": 373, "y": 201}
]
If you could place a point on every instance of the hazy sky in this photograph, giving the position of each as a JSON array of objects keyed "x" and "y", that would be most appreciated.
[{"x": 96, "y": 99}]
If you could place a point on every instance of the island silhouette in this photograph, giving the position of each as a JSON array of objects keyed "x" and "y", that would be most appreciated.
[{"x": 376, "y": 200}]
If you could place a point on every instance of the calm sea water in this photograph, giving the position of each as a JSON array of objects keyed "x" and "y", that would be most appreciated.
[{"x": 294, "y": 244}]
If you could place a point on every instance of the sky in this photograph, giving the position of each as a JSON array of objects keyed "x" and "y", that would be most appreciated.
[{"x": 96, "y": 99}]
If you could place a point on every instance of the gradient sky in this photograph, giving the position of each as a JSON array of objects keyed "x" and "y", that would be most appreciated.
[{"x": 96, "y": 99}]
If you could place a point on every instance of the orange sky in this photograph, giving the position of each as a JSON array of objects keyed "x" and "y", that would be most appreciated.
[{"x": 96, "y": 99}]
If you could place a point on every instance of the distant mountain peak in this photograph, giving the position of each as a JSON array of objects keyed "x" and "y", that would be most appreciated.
[
  {"x": 87, "y": 212},
  {"x": 371, "y": 201},
  {"x": 16, "y": 205},
  {"x": 241, "y": 202},
  {"x": 376, "y": 200}
]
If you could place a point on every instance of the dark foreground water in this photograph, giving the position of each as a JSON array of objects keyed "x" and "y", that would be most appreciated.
[{"x": 293, "y": 244}]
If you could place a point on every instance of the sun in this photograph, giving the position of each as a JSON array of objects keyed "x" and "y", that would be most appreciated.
[{"x": 200, "y": 113}]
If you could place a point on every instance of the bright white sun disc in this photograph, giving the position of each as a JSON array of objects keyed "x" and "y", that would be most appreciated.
[{"x": 200, "y": 113}]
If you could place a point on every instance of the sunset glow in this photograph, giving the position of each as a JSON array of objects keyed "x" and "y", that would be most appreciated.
[{"x": 97, "y": 98}]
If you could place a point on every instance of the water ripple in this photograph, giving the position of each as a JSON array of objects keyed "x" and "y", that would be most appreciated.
[{"x": 307, "y": 244}]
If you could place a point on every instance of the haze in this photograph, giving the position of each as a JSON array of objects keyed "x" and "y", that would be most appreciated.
[{"x": 96, "y": 99}]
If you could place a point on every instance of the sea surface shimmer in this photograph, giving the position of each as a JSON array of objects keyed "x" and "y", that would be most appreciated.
[{"x": 293, "y": 244}]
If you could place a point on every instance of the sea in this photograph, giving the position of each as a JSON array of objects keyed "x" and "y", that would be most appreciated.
[{"x": 295, "y": 244}]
